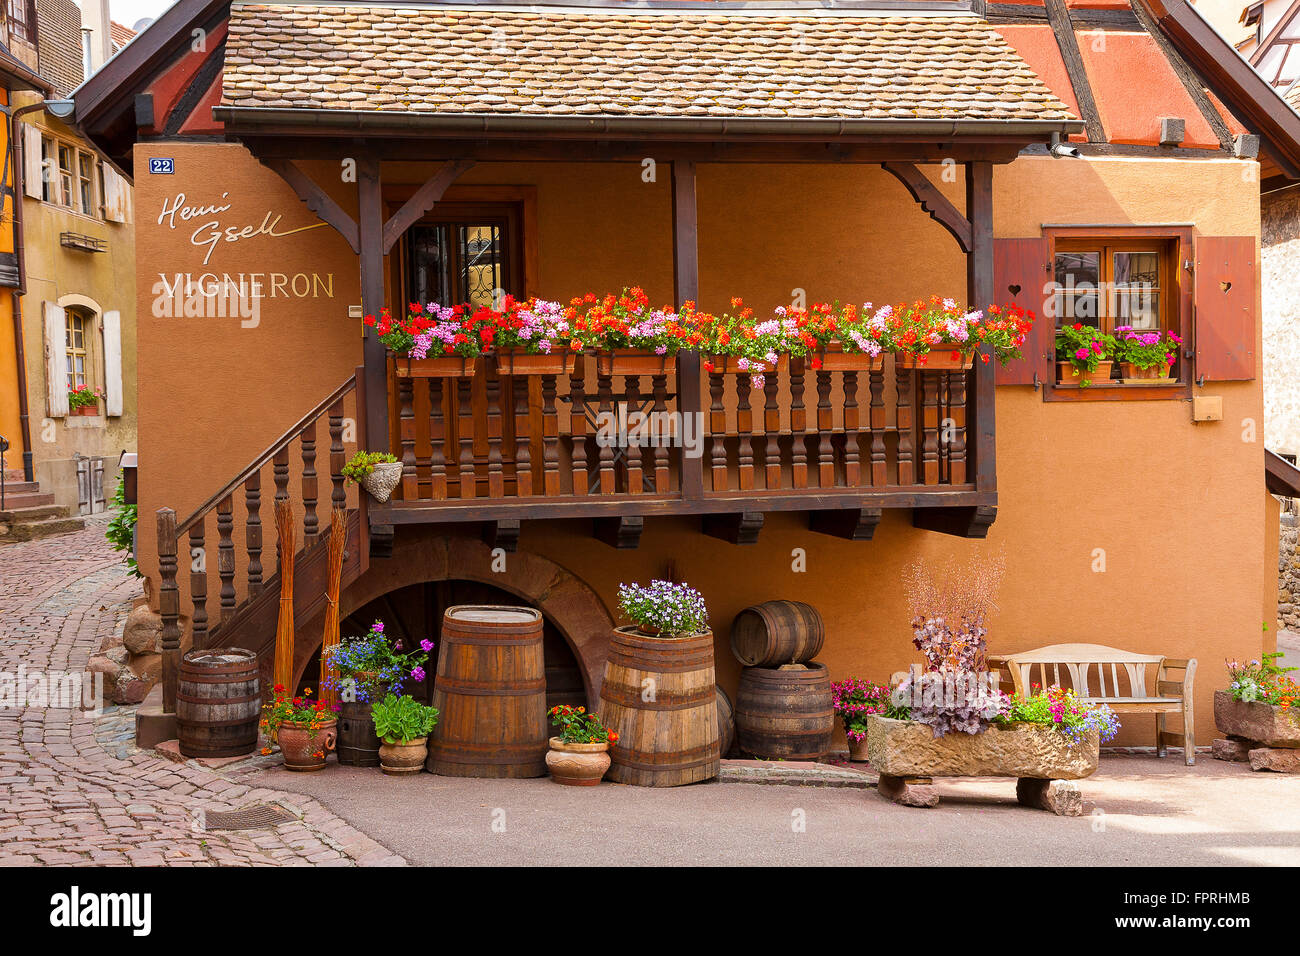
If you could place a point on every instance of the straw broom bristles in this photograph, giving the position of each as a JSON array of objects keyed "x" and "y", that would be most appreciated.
[
  {"x": 338, "y": 539},
  {"x": 283, "y": 670}
]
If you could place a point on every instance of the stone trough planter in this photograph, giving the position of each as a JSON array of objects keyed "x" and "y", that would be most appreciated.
[
  {"x": 908, "y": 756},
  {"x": 1264, "y": 735}
]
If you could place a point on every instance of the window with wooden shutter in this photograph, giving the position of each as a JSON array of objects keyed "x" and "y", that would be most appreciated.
[
  {"x": 1020, "y": 278},
  {"x": 1226, "y": 268},
  {"x": 117, "y": 196},
  {"x": 32, "y": 165},
  {"x": 112, "y": 363},
  {"x": 56, "y": 360}
]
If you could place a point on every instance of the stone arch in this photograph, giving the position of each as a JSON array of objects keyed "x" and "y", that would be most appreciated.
[
  {"x": 564, "y": 599},
  {"x": 80, "y": 301}
]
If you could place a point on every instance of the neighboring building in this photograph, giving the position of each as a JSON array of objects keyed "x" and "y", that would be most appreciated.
[
  {"x": 853, "y": 154},
  {"x": 77, "y": 305}
]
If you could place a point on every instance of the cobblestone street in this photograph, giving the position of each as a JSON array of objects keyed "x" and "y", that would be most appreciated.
[{"x": 73, "y": 789}]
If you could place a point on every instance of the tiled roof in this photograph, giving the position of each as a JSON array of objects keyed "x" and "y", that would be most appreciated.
[
  {"x": 120, "y": 35},
  {"x": 628, "y": 64}
]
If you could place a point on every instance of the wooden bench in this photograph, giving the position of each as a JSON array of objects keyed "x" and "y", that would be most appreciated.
[{"x": 1080, "y": 661}]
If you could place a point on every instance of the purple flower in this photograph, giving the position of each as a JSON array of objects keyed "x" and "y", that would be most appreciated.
[
  {"x": 426, "y": 645},
  {"x": 417, "y": 673}
]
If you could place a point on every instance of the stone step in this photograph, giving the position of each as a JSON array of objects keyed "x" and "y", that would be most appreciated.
[
  {"x": 31, "y": 530},
  {"x": 16, "y": 486},
  {"x": 12, "y": 515},
  {"x": 26, "y": 500}
]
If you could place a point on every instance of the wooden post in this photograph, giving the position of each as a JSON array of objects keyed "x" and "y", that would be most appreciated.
[
  {"x": 169, "y": 607},
  {"x": 226, "y": 556},
  {"x": 686, "y": 280},
  {"x": 980, "y": 294},
  {"x": 370, "y": 225}
]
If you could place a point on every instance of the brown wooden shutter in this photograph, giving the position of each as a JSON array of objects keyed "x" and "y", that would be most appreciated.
[
  {"x": 1021, "y": 276},
  {"x": 1225, "y": 326}
]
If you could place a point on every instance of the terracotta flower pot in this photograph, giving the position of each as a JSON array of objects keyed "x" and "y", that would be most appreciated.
[
  {"x": 1067, "y": 374},
  {"x": 86, "y": 410},
  {"x": 858, "y": 750},
  {"x": 634, "y": 362},
  {"x": 442, "y": 366},
  {"x": 304, "y": 748},
  {"x": 577, "y": 765},
  {"x": 381, "y": 482},
  {"x": 938, "y": 359},
  {"x": 834, "y": 359},
  {"x": 1143, "y": 374},
  {"x": 520, "y": 362},
  {"x": 398, "y": 758}
]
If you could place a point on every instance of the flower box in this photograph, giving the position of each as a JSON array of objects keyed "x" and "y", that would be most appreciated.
[
  {"x": 443, "y": 366},
  {"x": 940, "y": 359},
  {"x": 730, "y": 365},
  {"x": 634, "y": 362},
  {"x": 1156, "y": 375},
  {"x": 1067, "y": 374},
  {"x": 519, "y": 362},
  {"x": 89, "y": 411},
  {"x": 1267, "y": 724},
  {"x": 907, "y": 748},
  {"x": 833, "y": 358}
]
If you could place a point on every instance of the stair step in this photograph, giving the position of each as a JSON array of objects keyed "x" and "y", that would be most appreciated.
[
  {"x": 20, "y": 487},
  {"x": 27, "y": 500},
  {"x": 31, "y": 530},
  {"x": 26, "y": 515}
]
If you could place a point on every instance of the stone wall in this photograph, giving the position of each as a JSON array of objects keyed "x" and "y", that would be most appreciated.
[
  {"x": 1280, "y": 275},
  {"x": 1288, "y": 568}
]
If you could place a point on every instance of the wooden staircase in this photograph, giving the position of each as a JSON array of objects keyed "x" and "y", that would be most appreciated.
[
  {"x": 246, "y": 599},
  {"x": 27, "y": 514}
]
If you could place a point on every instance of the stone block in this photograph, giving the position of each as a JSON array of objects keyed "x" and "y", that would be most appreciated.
[
  {"x": 1278, "y": 760},
  {"x": 905, "y": 748},
  {"x": 1061, "y": 797},
  {"x": 1230, "y": 748},
  {"x": 142, "y": 633},
  {"x": 1269, "y": 725},
  {"x": 908, "y": 792}
]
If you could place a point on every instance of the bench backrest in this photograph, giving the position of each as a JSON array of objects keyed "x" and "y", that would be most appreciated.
[{"x": 1093, "y": 670}]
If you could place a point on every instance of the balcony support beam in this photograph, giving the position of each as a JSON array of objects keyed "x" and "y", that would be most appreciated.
[
  {"x": 959, "y": 522},
  {"x": 736, "y": 527},
  {"x": 623, "y": 532},
  {"x": 853, "y": 524}
]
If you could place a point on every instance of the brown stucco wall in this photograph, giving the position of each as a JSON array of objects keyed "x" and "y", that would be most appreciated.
[{"x": 1175, "y": 507}]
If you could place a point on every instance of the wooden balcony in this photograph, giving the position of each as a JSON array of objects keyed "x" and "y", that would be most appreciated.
[{"x": 839, "y": 445}]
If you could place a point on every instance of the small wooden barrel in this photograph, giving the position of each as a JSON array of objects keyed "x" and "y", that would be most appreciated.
[
  {"x": 660, "y": 695},
  {"x": 490, "y": 691},
  {"x": 357, "y": 746},
  {"x": 777, "y": 632},
  {"x": 726, "y": 723},
  {"x": 218, "y": 703},
  {"x": 785, "y": 713}
]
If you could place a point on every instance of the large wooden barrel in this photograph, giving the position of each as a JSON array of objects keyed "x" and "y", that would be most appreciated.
[
  {"x": 357, "y": 745},
  {"x": 490, "y": 691},
  {"x": 218, "y": 702},
  {"x": 777, "y": 632},
  {"x": 785, "y": 713},
  {"x": 726, "y": 723},
  {"x": 660, "y": 695}
]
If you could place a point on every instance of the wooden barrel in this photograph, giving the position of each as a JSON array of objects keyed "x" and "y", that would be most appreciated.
[
  {"x": 726, "y": 723},
  {"x": 660, "y": 695},
  {"x": 218, "y": 703},
  {"x": 785, "y": 713},
  {"x": 490, "y": 691},
  {"x": 777, "y": 632},
  {"x": 358, "y": 745}
]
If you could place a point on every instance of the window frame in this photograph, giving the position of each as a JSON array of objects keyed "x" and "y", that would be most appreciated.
[
  {"x": 70, "y": 179},
  {"x": 23, "y": 26},
  {"x": 71, "y": 316},
  {"x": 1177, "y": 286}
]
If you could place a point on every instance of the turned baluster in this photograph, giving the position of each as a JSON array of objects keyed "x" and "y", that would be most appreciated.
[
  {"x": 550, "y": 439},
  {"x": 772, "y": 426},
  {"x": 879, "y": 466},
  {"x": 605, "y": 390},
  {"x": 929, "y": 428},
  {"x": 495, "y": 466},
  {"x": 198, "y": 586},
  {"x": 661, "y": 439},
  {"x": 523, "y": 454},
  {"x": 280, "y": 473},
  {"x": 745, "y": 427},
  {"x": 798, "y": 425},
  {"x": 852, "y": 468},
  {"x": 578, "y": 426},
  {"x": 226, "y": 556},
  {"x": 465, "y": 429},
  {"x": 904, "y": 424},
  {"x": 310, "y": 525},
  {"x": 825, "y": 426},
  {"x": 634, "y": 450},
  {"x": 717, "y": 432},
  {"x": 406, "y": 434},
  {"x": 437, "y": 442},
  {"x": 338, "y": 457},
  {"x": 957, "y": 416},
  {"x": 169, "y": 606},
  {"x": 253, "y": 530}
]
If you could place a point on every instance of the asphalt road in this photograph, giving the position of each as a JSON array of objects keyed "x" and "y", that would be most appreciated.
[{"x": 1138, "y": 810}]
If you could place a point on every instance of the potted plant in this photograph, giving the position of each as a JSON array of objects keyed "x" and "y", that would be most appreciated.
[
  {"x": 579, "y": 754},
  {"x": 854, "y": 701},
  {"x": 1261, "y": 704},
  {"x": 628, "y": 336},
  {"x": 532, "y": 338},
  {"x": 305, "y": 729},
  {"x": 1147, "y": 357},
  {"x": 376, "y": 471},
  {"x": 404, "y": 725},
  {"x": 369, "y": 667},
  {"x": 84, "y": 400},
  {"x": 941, "y": 335},
  {"x": 664, "y": 609},
  {"x": 434, "y": 341},
  {"x": 1081, "y": 355}
]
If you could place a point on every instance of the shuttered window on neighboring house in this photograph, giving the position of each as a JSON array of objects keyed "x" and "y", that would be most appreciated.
[
  {"x": 1139, "y": 277},
  {"x": 56, "y": 360}
]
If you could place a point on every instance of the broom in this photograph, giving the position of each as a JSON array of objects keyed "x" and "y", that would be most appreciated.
[
  {"x": 283, "y": 669},
  {"x": 330, "y": 675}
]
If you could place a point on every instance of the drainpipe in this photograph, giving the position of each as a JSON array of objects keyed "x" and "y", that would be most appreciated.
[{"x": 24, "y": 412}]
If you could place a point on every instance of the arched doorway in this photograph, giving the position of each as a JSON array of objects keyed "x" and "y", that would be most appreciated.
[{"x": 415, "y": 612}]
